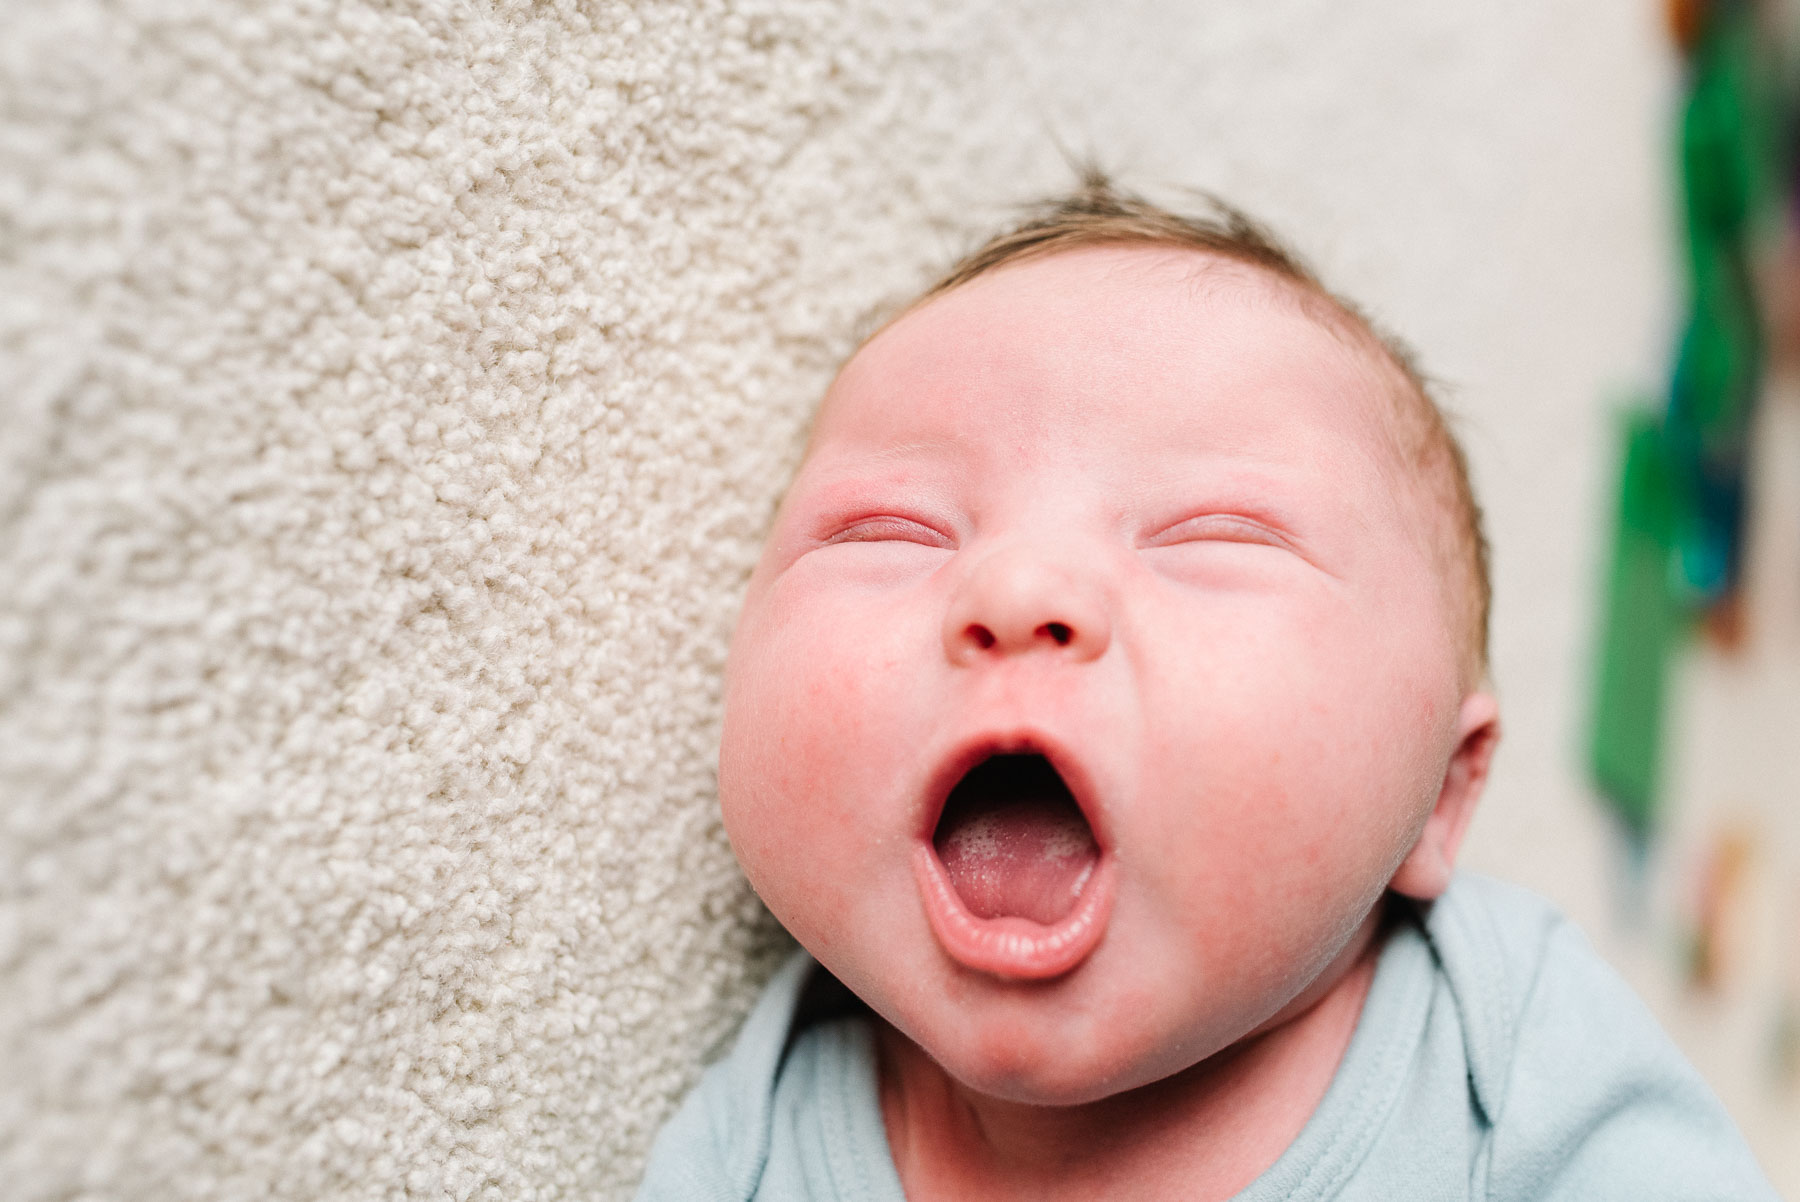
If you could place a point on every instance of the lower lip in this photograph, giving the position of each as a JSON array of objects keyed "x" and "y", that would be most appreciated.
[{"x": 1016, "y": 949}]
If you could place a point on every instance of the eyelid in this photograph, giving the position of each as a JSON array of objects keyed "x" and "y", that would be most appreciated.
[
  {"x": 1220, "y": 527},
  {"x": 888, "y": 527}
]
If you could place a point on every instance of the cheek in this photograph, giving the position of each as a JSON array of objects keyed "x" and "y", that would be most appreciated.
[
  {"x": 810, "y": 726},
  {"x": 1292, "y": 770}
]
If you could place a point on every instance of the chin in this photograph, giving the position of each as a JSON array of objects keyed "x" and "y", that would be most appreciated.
[
  {"x": 1038, "y": 1063},
  {"x": 1035, "y": 1084}
]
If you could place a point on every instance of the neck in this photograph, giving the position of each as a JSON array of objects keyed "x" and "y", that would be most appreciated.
[{"x": 1203, "y": 1133}]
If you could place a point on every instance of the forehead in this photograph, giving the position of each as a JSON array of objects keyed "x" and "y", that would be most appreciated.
[{"x": 1143, "y": 349}]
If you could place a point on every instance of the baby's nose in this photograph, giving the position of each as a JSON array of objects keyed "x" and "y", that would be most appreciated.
[{"x": 1014, "y": 601}]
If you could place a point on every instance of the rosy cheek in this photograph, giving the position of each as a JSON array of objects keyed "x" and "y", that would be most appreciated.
[{"x": 798, "y": 743}]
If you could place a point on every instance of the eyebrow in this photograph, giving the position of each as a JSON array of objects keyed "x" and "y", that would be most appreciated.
[{"x": 889, "y": 454}]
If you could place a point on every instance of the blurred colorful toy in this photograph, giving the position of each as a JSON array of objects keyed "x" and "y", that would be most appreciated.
[{"x": 1679, "y": 520}]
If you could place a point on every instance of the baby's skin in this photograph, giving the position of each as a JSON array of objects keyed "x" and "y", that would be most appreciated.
[{"x": 1096, "y": 685}]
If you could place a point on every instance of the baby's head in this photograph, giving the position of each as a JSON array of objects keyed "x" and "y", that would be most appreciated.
[{"x": 1119, "y": 645}]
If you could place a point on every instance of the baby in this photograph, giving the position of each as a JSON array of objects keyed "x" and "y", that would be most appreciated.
[{"x": 1105, "y": 714}]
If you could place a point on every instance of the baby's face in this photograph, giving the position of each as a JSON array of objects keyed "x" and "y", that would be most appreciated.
[{"x": 1129, "y": 520}]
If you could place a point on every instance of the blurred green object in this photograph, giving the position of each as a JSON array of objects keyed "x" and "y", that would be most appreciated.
[
  {"x": 1641, "y": 624},
  {"x": 1677, "y": 532},
  {"x": 1729, "y": 124},
  {"x": 1730, "y": 158}
]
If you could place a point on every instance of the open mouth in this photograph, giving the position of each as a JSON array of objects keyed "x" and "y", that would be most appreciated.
[
  {"x": 1014, "y": 879},
  {"x": 1013, "y": 841}
]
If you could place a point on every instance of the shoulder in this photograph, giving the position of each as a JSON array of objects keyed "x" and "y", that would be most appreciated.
[
  {"x": 1585, "y": 1095},
  {"x": 715, "y": 1146},
  {"x": 792, "y": 1112}
]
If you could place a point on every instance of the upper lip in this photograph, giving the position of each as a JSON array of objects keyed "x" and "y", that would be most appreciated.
[{"x": 1017, "y": 741}]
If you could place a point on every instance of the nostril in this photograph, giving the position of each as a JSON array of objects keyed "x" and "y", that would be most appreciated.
[
  {"x": 1056, "y": 630},
  {"x": 981, "y": 636}
]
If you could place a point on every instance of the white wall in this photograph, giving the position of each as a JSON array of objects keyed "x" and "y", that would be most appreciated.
[{"x": 393, "y": 397}]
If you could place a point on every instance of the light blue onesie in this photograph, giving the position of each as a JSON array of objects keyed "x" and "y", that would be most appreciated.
[{"x": 1497, "y": 1057}]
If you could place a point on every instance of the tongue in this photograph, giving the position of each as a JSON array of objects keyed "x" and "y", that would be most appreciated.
[{"x": 1014, "y": 843}]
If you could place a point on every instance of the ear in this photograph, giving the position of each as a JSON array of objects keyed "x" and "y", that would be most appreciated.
[{"x": 1425, "y": 872}]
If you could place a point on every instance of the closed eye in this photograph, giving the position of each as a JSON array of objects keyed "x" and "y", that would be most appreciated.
[
  {"x": 1220, "y": 527},
  {"x": 889, "y": 528}
]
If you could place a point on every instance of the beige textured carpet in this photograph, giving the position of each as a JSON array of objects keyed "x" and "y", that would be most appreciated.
[{"x": 391, "y": 399}]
